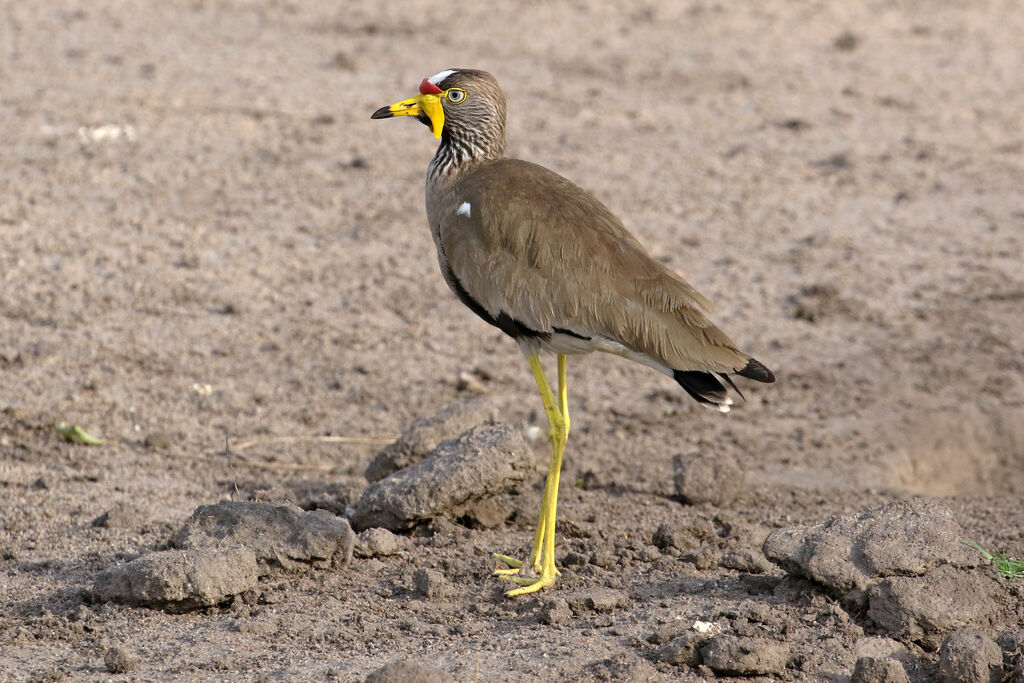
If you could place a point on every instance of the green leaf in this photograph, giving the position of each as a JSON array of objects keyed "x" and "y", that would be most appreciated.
[
  {"x": 76, "y": 434},
  {"x": 1008, "y": 567}
]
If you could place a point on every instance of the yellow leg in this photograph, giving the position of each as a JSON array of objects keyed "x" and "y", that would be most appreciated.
[{"x": 542, "y": 557}]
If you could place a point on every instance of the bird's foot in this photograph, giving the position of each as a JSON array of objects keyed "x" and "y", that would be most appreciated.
[
  {"x": 530, "y": 578},
  {"x": 532, "y": 584},
  {"x": 512, "y": 566}
]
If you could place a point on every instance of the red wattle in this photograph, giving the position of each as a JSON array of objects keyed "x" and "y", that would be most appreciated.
[{"x": 428, "y": 88}]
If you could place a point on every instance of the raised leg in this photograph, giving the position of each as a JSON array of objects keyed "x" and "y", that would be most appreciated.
[{"x": 542, "y": 557}]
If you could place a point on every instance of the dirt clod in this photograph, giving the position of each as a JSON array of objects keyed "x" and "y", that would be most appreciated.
[
  {"x": 740, "y": 656},
  {"x": 745, "y": 560},
  {"x": 482, "y": 462},
  {"x": 596, "y": 599},
  {"x": 377, "y": 542},
  {"x": 685, "y": 533},
  {"x": 681, "y": 651},
  {"x": 848, "y": 552},
  {"x": 556, "y": 612},
  {"x": 425, "y": 434},
  {"x": 120, "y": 661},
  {"x": 925, "y": 609},
  {"x": 1012, "y": 644},
  {"x": 180, "y": 580},
  {"x": 281, "y": 536},
  {"x": 121, "y": 516},
  {"x": 408, "y": 672},
  {"x": 969, "y": 656},
  {"x": 624, "y": 666},
  {"x": 716, "y": 478},
  {"x": 878, "y": 670},
  {"x": 605, "y": 599},
  {"x": 432, "y": 584}
]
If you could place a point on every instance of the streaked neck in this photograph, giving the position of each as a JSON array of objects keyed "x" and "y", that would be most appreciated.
[{"x": 461, "y": 150}]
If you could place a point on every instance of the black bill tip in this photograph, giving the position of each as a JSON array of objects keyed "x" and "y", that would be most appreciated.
[{"x": 382, "y": 113}]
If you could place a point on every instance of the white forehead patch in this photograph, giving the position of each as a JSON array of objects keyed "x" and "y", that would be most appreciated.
[
  {"x": 437, "y": 78},
  {"x": 465, "y": 210}
]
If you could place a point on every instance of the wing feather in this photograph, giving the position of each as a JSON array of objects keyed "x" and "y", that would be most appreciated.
[{"x": 549, "y": 254}]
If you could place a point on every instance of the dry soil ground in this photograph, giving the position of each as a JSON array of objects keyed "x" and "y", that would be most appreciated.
[{"x": 205, "y": 241}]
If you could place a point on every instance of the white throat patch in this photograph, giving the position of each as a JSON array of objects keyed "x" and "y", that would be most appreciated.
[
  {"x": 465, "y": 210},
  {"x": 437, "y": 78}
]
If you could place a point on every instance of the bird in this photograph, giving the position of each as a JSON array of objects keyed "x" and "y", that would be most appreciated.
[{"x": 546, "y": 262}]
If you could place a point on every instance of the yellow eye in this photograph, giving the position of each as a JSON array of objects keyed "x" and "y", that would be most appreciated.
[{"x": 456, "y": 95}]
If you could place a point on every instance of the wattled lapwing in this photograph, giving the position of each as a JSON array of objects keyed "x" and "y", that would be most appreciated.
[{"x": 547, "y": 264}]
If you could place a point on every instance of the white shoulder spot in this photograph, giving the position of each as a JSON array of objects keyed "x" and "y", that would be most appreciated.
[
  {"x": 465, "y": 210},
  {"x": 438, "y": 77}
]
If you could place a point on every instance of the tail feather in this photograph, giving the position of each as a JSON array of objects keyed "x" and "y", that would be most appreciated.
[
  {"x": 732, "y": 384},
  {"x": 756, "y": 371},
  {"x": 705, "y": 388}
]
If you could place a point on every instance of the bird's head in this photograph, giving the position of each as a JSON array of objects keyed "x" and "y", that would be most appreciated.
[{"x": 456, "y": 101}]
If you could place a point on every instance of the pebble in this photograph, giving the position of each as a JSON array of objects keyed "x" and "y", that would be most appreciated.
[
  {"x": 120, "y": 661},
  {"x": 377, "y": 542}
]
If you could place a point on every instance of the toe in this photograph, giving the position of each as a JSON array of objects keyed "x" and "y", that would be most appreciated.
[{"x": 511, "y": 562}]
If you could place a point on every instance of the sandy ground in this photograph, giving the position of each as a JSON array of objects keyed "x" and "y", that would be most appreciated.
[{"x": 205, "y": 241}]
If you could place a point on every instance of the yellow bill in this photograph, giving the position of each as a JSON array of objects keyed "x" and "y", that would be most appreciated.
[{"x": 426, "y": 107}]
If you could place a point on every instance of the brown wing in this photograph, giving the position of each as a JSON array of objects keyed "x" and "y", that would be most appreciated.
[{"x": 536, "y": 247}]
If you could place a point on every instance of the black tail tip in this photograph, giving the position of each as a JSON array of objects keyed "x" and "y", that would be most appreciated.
[{"x": 756, "y": 371}]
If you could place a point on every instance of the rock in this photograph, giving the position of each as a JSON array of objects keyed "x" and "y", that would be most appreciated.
[
  {"x": 878, "y": 670},
  {"x": 426, "y": 434},
  {"x": 408, "y": 672},
  {"x": 484, "y": 461},
  {"x": 377, "y": 542},
  {"x": 432, "y": 584},
  {"x": 281, "y": 535},
  {"x": 120, "y": 660},
  {"x": 716, "y": 479},
  {"x": 739, "y": 656},
  {"x": 847, "y": 553},
  {"x": 925, "y": 609},
  {"x": 686, "y": 533},
  {"x": 180, "y": 580},
  {"x": 121, "y": 516},
  {"x": 681, "y": 651},
  {"x": 969, "y": 656}
]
